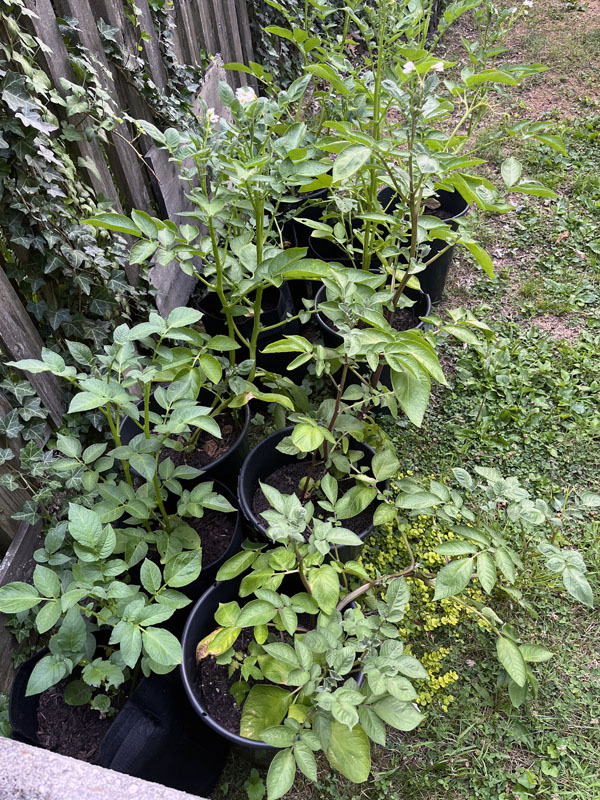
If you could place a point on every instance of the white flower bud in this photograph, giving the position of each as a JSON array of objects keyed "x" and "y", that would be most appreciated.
[{"x": 408, "y": 68}]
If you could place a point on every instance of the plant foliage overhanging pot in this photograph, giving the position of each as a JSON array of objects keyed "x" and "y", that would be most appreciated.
[
  {"x": 277, "y": 304},
  {"x": 454, "y": 206},
  {"x": 200, "y": 623},
  {"x": 261, "y": 462},
  {"x": 225, "y": 468}
]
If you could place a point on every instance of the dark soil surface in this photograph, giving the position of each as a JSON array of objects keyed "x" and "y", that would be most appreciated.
[
  {"x": 208, "y": 448},
  {"x": 213, "y": 683},
  {"x": 74, "y": 731},
  {"x": 440, "y": 213},
  {"x": 286, "y": 480},
  {"x": 405, "y": 319},
  {"x": 215, "y": 530}
]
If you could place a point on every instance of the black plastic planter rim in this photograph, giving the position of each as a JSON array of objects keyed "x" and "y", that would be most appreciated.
[
  {"x": 245, "y": 503},
  {"x": 195, "y": 697},
  {"x": 217, "y": 462},
  {"x": 325, "y": 322}
]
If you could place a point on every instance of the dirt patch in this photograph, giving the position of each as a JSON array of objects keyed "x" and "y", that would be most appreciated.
[{"x": 564, "y": 328}]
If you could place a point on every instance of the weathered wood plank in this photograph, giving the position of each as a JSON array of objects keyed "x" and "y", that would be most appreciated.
[
  {"x": 20, "y": 339},
  {"x": 126, "y": 162},
  {"x": 17, "y": 565},
  {"x": 244, "y": 30},
  {"x": 57, "y": 65},
  {"x": 175, "y": 38},
  {"x": 152, "y": 47}
]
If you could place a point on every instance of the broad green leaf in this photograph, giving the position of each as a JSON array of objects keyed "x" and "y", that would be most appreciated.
[
  {"x": 399, "y": 714},
  {"x": 281, "y": 774},
  {"x": 355, "y": 501},
  {"x": 48, "y": 616},
  {"x": 77, "y": 693},
  {"x": 349, "y": 752},
  {"x": 150, "y": 576},
  {"x": 482, "y": 257},
  {"x": 237, "y": 564},
  {"x": 535, "y": 653},
  {"x": 349, "y": 161},
  {"x": 453, "y": 578},
  {"x": 182, "y": 316},
  {"x": 46, "y": 581},
  {"x": 512, "y": 660},
  {"x": 18, "y": 596},
  {"x": 265, "y": 707},
  {"x": 373, "y": 726},
  {"x": 256, "y": 612},
  {"x": 161, "y": 646},
  {"x": 486, "y": 571},
  {"x": 217, "y": 642},
  {"x": 308, "y": 437},
  {"x": 412, "y": 392},
  {"x": 48, "y": 671},
  {"x": 183, "y": 569},
  {"x": 511, "y": 171},
  {"x": 577, "y": 585},
  {"x": 325, "y": 587},
  {"x": 114, "y": 222},
  {"x": 305, "y": 760},
  {"x": 142, "y": 251}
]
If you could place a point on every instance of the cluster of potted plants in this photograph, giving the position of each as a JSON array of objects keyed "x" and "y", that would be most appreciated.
[{"x": 346, "y": 216}]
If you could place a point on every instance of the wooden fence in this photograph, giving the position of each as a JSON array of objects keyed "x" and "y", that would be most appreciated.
[{"x": 120, "y": 172}]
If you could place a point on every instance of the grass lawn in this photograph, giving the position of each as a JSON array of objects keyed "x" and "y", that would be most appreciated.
[{"x": 527, "y": 404}]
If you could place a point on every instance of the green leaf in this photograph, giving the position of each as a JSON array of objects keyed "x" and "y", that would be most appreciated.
[
  {"x": 71, "y": 636},
  {"x": 46, "y": 581},
  {"x": 265, "y": 707},
  {"x": 349, "y": 752},
  {"x": 372, "y": 725},
  {"x": 142, "y": 251},
  {"x": 534, "y": 188},
  {"x": 511, "y": 171},
  {"x": 517, "y": 694},
  {"x": 237, "y": 564},
  {"x": 77, "y": 693},
  {"x": 486, "y": 571},
  {"x": 349, "y": 161},
  {"x": 18, "y": 596},
  {"x": 325, "y": 587},
  {"x": 453, "y": 578},
  {"x": 384, "y": 465},
  {"x": 355, "y": 501},
  {"x": 161, "y": 646},
  {"x": 48, "y": 616},
  {"x": 577, "y": 585},
  {"x": 183, "y": 568},
  {"x": 512, "y": 660},
  {"x": 305, "y": 760},
  {"x": 48, "y": 671},
  {"x": 535, "y": 653},
  {"x": 308, "y": 437},
  {"x": 145, "y": 464},
  {"x": 150, "y": 576},
  {"x": 412, "y": 392},
  {"x": 398, "y": 713},
  {"x": 256, "y": 612},
  {"x": 281, "y": 774},
  {"x": 114, "y": 222},
  {"x": 182, "y": 316},
  {"x": 482, "y": 257}
]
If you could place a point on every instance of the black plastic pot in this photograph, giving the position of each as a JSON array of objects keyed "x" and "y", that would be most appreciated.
[
  {"x": 265, "y": 459},
  {"x": 225, "y": 468},
  {"x": 200, "y": 623},
  {"x": 332, "y": 338},
  {"x": 209, "y": 571},
  {"x": 276, "y": 306},
  {"x": 433, "y": 278},
  {"x": 332, "y": 252},
  {"x": 156, "y": 736}
]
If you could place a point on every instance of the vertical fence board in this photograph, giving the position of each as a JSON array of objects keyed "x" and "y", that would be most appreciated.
[
  {"x": 17, "y": 565},
  {"x": 20, "y": 339},
  {"x": 152, "y": 47},
  {"x": 58, "y": 66},
  {"x": 125, "y": 161}
]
